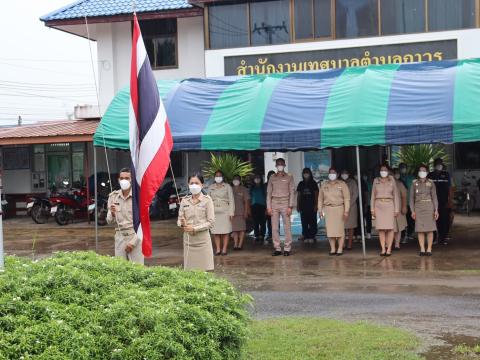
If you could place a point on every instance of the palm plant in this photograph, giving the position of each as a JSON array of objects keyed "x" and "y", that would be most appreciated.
[
  {"x": 229, "y": 164},
  {"x": 416, "y": 155}
]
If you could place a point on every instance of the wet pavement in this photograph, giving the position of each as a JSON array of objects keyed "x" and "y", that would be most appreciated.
[{"x": 438, "y": 297}]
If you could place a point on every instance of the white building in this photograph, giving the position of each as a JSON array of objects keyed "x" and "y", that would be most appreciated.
[{"x": 207, "y": 38}]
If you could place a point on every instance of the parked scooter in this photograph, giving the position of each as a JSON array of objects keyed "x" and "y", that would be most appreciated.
[
  {"x": 165, "y": 204},
  {"x": 71, "y": 204},
  {"x": 38, "y": 208},
  {"x": 4, "y": 204}
]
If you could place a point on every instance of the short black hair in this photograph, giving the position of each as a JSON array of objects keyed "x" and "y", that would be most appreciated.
[
  {"x": 125, "y": 169},
  {"x": 280, "y": 159},
  {"x": 218, "y": 171},
  {"x": 237, "y": 176},
  {"x": 196, "y": 175},
  {"x": 438, "y": 161}
]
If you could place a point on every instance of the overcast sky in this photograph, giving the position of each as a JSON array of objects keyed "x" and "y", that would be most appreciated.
[{"x": 44, "y": 72}]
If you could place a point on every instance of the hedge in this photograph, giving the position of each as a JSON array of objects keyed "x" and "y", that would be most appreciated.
[{"x": 84, "y": 306}]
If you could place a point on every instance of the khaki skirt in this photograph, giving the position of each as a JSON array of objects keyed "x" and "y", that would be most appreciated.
[
  {"x": 352, "y": 220},
  {"x": 334, "y": 222},
  {"x": 222, "y": 224},
  {"x": 384, "y": 215},
  {"x": 239, "y": 223},
  {"x": 425, "y": 219},
  {"x": 198, "y": 251},
  {"x": 400, "y": 223}
]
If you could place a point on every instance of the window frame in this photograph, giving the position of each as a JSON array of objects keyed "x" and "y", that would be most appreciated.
[
  {"x": 145, "y": 37},
  {"x": 333, "y": 24}
]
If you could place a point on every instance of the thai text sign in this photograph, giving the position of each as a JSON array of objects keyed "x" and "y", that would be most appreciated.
[{"x": 340, "y": 58}]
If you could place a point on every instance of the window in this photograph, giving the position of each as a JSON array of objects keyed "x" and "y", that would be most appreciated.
[
  {"x": 402, "y": 16},
  {"x": 323, "y": 18},
  {"x": 228, "y": 26},
  {"x": 270, "y": 22},
  {"x": 303, "y": 19},
  {"x": 78, "y": 161},
  {"x": 16, "y": 158},
  {"x": 356, "y": 18},
  {"x": 467, "y": 155},
  {"x": 313, "y": 18},
  {"x": 39, "y": 158},
  {"x": 451, "y": 14},
  {"x": 160, "y": 37}
]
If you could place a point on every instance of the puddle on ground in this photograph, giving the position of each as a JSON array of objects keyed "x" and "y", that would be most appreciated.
[{"x": 445, "y": 351}]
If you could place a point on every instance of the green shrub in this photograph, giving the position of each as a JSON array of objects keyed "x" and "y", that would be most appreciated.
[{"x": 85, "y": 306}]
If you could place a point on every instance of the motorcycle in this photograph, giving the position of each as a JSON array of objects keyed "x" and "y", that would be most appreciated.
[
  {"x": 165, "y": 204},
  {"x": 38, "y": 209},
  {"x": 102, "y": 203},
  {"x": 71, "y": 204}
]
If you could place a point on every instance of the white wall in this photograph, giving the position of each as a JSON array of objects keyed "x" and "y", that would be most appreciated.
[
  {"x": 114, "y": 51},
  {"x": 467, "y": 42}
]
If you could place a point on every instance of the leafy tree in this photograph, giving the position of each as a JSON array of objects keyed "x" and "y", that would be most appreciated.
[{"x": 229, "y": 164}]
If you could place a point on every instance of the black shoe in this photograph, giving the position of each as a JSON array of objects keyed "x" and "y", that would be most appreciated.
[
  {"x": 218, "y": 253},
  {"x": 332, "y": 253},
  {"x": 339, "y": 253},
  {"x": 224, "y": 253},
  {"x": 240, "y": 248},
  {"x": 277, "y": 253},
  {"x": 286, "y": 253},
  {"x": 422, "y": 253},
  {"x": 387, "y": 254},
  {"x": 383, "y": 254},
  {"x": 428, "y": 253}
]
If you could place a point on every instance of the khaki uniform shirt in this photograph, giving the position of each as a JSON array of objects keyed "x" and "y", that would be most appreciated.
[
  {"x": 281, "y": 187},
  {"x": 402, "y": 192},
  {"x": 222, "y": 197},
  {"x": 123, "y": 215},
  {"x": 353, "y": 189},
  {"x": 242, "y": 197},
  {"x": 200, "y": 215},
  {"x": 423, "y": 191},
  {"x": 385, "y": 190},
  {"x": 334, "y": 193}
]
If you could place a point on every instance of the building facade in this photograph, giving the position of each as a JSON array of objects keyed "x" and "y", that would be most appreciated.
[{"x": 205, "y": 38}]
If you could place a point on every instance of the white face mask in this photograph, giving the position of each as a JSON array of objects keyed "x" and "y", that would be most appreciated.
[
  {"x": 403, "y": 170},
  {"x": 236, "y": 182},
  {"x": 124, "y": 184},
  {"x": 195, "y": 189},
  {"x": 344, "y": 176},
  {"x": 306, "y": 176},
  {"x": 439, "y": 167},
  {"x": 280, "y": 168},
  {"x": 332, "y": 177},
  {"x": 422, "y": 174},
  {"x": 365, "y": 178},
  {"x": 218, "y": 179},
  {"x": 383, "y": 174},
  {"x": 355, "y": 177},
  {"x": 257, "y": 181},
  {"x": 397, "y": 176}
]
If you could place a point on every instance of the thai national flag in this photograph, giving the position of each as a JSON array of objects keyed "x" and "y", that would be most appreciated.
[{"x": 150, "y": 138}]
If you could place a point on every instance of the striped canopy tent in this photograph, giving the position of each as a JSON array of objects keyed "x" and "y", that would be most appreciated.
[{"x": 434, "y": 102}]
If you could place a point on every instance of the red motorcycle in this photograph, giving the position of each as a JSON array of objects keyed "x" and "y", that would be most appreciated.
[{"x": 71, "y": 204}]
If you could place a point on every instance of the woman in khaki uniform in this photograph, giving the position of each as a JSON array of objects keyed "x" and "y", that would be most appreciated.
[
  {"x": 424, "y": 206},
  {"x": 385, "y": 206},
  {"x": 224, "y": 203},
  {"x": 242, "y": 211},
  {"x": 334, "y": 204},
  {"x": 401, "y": 219},
  {"x": 352, "y": 220},
  {"x": 196, "y": 216}
]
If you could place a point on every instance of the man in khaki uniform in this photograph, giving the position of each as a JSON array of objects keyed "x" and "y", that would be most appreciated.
[
  {"x": 280, "y": 201},
  {"x": 127, "y": 245}
]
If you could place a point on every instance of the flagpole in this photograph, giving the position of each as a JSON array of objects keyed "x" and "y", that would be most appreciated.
[{"x": 2, "y": 256}]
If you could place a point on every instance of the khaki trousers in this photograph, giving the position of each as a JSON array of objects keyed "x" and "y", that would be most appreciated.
[
  {"x": 279, "y": 208},
  {"x": 122, "y": 238}
]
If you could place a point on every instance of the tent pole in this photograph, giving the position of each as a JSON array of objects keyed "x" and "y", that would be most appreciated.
[
  {"x": 95, "y": 187},
  {"x": 360, "y": 199}
]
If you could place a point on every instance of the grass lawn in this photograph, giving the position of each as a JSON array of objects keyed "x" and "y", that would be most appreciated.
[{"x": 305, "y": 339}]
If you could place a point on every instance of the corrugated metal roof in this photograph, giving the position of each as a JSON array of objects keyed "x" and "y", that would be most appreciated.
[
  {"x": 92, "y": 8},
  {"x": 56, "y": 131}
]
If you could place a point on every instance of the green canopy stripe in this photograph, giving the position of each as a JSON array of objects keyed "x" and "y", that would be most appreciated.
[
  {"x": 357, "y": 107},
  {"x": 466, "y": 110},
  {"x": 240, "y": 109}
]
